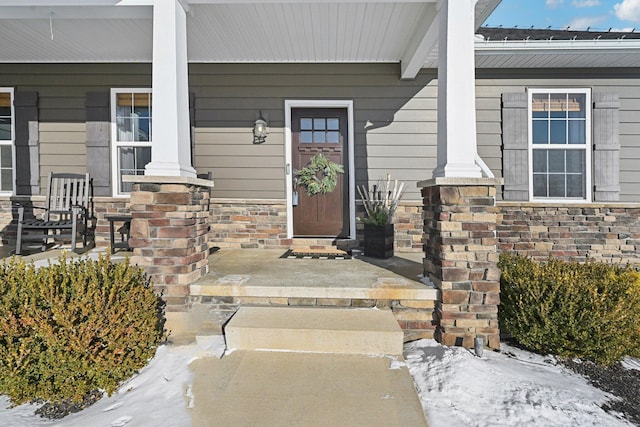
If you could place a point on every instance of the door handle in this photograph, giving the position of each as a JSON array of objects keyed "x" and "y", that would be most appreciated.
[{"x": 287, "y": 169}]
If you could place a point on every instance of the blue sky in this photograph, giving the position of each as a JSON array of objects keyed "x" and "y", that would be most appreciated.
[{"x": 621, "y": 15}]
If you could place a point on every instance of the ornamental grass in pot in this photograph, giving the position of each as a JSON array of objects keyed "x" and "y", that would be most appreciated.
[{"x": 380, "y": 203}]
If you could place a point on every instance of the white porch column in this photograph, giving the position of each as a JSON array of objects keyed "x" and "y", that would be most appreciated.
[
  {"x": 171, "y": 152},
  {"x": 456, "y": 90}
]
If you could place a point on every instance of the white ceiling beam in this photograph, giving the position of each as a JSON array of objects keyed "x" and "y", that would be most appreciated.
[
  {"x": 56, "y": 3},
  {"x": 305, "y": 1},
  {"x": 421, "y": 44},
  {"x": 484, "y": 8},
  {"x": 53, "y": 3}
]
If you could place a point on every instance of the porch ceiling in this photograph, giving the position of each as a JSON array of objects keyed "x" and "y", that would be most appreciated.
[{"x": 225, "y": 31}]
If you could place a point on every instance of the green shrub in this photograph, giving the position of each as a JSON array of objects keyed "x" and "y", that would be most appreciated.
[
  {"x": 590, "y": 311},
  {"x": 74, "y": 327}
]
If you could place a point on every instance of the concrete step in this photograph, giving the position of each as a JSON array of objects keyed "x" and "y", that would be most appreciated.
[{"x": 318, "y": 330}]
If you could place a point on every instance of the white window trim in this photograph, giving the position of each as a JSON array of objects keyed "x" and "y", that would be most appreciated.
[
  {"x": 115, "y": 144},
  {"x": 588, "y": 149},
  {"x": 288, "y": 106},
  {"x": 12, "y": 141}
]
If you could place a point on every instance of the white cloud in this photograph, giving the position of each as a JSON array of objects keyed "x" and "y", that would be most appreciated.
[
  {"x": 628, "y": 10},
  {"x": 585, "y": 3},
  {"x": 553, "y": 3},
  {"x": 582, "y": 23}
]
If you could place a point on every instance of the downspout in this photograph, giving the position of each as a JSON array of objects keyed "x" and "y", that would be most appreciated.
[{"x": 483, "y": 166}]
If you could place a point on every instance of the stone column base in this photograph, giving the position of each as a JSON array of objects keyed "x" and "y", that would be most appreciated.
[
  {"x": 461, "y": 258},
  {"x": 169, "y": 233}
]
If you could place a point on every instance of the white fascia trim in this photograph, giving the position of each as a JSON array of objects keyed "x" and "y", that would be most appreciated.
[
  {"x": 114, "y": 143},
  {"x": 11, "y": 91},
  {"x": 316, "y": 103},
  {"x": 511, "y": 47},
  {"x": 588, "y": 144}
]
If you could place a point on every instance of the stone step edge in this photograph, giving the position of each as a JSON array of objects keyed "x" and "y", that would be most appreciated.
[{"x": 428, "y": 294}]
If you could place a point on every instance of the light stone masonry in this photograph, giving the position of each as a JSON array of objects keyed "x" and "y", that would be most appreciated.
[
  {"x": 169, "y": 234},
  {"x": 460, "y": 245}
]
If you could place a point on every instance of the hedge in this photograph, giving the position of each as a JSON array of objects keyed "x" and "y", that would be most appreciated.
[
  {"x": 589, "y": 311},
  {"x": 74, "y": 327}
]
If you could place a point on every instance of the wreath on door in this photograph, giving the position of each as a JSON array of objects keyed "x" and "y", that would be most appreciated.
[{"x": 319, "y": 176}]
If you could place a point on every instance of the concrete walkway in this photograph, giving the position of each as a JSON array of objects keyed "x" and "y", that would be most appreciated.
[
  {"x": 261, "y": 388},
  {"x": 322, "y": 367}
]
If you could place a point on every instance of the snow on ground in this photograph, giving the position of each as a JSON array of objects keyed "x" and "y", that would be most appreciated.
[
  {"x": 156, "y": 396},
  {"x": 630, "y": 363},
  {"x": 509, "y": 388},
  {"x": 457, "y": 388}
]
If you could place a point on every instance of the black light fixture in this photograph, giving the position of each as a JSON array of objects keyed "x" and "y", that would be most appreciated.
[{"x": 260, "y": 130}]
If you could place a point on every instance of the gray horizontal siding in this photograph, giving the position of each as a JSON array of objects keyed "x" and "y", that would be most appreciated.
[
  {"x": 62, "y": 149},
  {"x": 62, "y": 90},
  {"x": 395, "y": 121}
]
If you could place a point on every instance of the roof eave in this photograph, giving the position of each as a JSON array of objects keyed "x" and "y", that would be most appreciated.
[
  {"x": 529, "y": 46},
  {"x": 558, "y": 54}
]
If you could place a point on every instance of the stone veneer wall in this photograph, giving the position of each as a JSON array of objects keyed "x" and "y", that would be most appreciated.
[
  {"x": 234, "y": 223},
  {"x": 408, "y": 227},
  {"x": 461, "y": 257},
  {"x": 571, "y": 232},
  {"x": 237, "y": 223}
]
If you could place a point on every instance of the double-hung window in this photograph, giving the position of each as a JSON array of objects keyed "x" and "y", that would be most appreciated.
[
  {"x": 131, "y": 137},
  {"x": 7, "y": 136},
  {"x": 559, "y": 144}
]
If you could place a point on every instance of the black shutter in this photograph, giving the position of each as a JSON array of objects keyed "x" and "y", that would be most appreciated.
[
  {"x": 98, "y": 118},
  {"x": 27, "y": 140}
]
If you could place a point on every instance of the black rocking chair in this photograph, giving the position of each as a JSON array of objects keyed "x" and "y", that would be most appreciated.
[{"x": 66, "y": 212}]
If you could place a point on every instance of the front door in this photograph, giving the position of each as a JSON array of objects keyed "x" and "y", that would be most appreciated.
[{"x": 324, "y": 131}]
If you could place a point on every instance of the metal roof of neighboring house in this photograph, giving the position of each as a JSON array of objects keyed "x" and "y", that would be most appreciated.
[{"x": 539, "y": 48}]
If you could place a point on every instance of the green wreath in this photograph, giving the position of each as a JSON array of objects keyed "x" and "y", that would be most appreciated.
[{"x": 325, "y": 183}]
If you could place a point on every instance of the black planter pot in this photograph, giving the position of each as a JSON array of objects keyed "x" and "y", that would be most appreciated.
[{"x": 378, "y": 240}]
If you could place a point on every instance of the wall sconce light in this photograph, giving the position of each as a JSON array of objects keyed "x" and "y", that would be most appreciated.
[{"x": 260, "y": 130}]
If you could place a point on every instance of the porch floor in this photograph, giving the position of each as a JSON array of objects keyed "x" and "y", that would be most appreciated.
[
  {"x": 260, "y": 277},
  {"x": 262, "y": 273}
]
